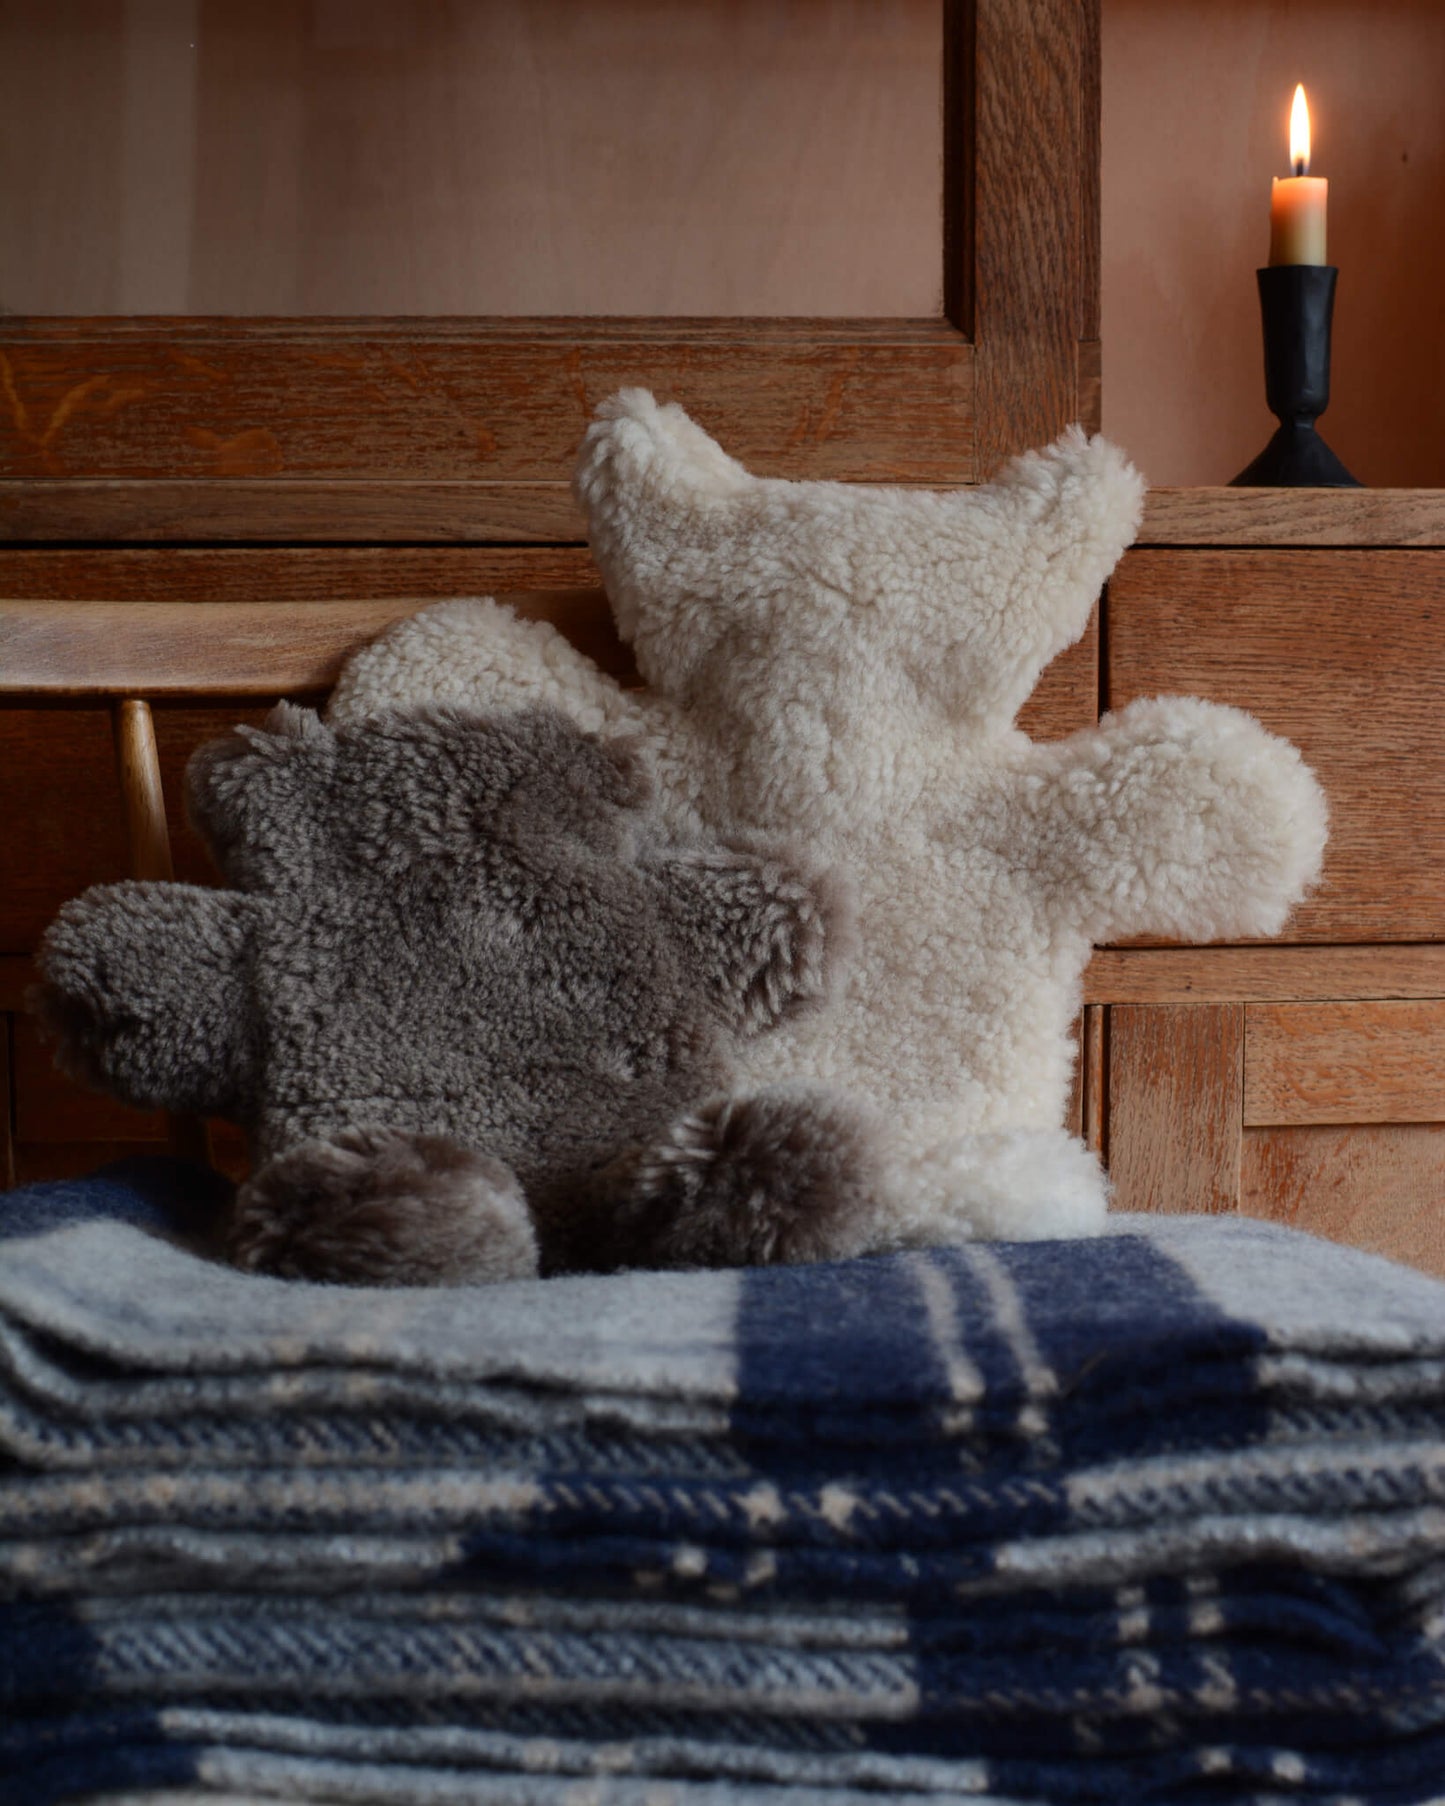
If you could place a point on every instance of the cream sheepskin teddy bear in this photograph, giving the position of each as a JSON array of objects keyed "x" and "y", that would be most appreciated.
[{"x": 845, "y": 663}]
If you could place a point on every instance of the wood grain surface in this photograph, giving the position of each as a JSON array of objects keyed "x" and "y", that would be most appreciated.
[
  {"x": 1035, "y": 212},
  {"x": 1343, "y": 652},
  {"x": 277, "y": 508},
  {"x": 90, "y": 649},
  {"x": 1066, "y": 697},
  {"x": 59, "y": 802},
  {"x": 142, "y": 801},
  {"x": 349, "y": 405},
  {"x": 1377, "y": 1187},
  {"x": 1263, "y": 974},
  {"x": 17, "y": 974},
  {"x": 1094, "y": 1078},
  {"x": 298, "y": 573},
  {"x": 1294, "y": 517},
  {"x": 1174, "y": 1114},
  {"x": 1344, "y": 1062}
]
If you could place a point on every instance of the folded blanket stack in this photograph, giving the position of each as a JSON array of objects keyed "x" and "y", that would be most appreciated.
[{"x": 1157, "y": 1518}]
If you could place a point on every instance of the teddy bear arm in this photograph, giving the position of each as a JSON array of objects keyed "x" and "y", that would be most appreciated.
[
  {"x": 144, "y": 993},
  {"x": 759, "y": 931},
  {"x": 1177, "y": 817}
]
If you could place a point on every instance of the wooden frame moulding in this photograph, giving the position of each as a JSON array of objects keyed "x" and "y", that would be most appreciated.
[{"x": 432, "y": 431}]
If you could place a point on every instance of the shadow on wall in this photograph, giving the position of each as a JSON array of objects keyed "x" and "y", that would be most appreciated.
[{"x": 1196, "y": 105}]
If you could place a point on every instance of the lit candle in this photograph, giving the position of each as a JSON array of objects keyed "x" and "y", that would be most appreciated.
[{"x": 1297, "y": 203}]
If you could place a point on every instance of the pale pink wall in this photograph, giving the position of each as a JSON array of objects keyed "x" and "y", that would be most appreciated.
[
  {"x": 1196, "y": 100},
  {"x": 471, "y": 156}
]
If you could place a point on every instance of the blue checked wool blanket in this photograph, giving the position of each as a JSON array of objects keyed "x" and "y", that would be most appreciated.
[{"x": 1158, "y": 1519}]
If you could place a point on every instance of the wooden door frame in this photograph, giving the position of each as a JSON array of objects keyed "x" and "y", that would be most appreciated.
[{"x": 409, "y": 431}]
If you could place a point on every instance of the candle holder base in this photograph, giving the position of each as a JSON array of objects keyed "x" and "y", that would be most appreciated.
[
  {"x": 1296, "y": 457},
  {"x": 1296, "y": 304}
]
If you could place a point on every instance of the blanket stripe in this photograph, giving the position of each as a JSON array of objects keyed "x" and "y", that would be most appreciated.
[{"x": 1147, "y": 1521}]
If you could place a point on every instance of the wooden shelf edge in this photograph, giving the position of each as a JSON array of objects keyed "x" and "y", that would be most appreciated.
[
  {"x": 1294, "y": 517},
  {"x": 1375, "y": 972}
]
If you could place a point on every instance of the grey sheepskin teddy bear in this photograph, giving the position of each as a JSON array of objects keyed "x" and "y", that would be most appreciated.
[{"x": 476, "y": 1006}]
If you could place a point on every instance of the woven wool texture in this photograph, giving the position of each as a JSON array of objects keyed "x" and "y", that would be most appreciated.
[
  {"x": 846, "y": 663},
  {"x": 1149, "y": 1520}
]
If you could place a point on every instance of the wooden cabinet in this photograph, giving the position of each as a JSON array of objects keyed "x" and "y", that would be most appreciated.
[{"x": 1303, "y": 1079}]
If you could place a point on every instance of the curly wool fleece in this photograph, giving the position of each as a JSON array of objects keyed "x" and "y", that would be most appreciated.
[
  {"x": 469, "y": 998},
  {"x": 847, "y": 663}
]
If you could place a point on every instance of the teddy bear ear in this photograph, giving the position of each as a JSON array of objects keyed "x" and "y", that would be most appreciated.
[
  {"x": 238, "y": 787},
  {"x": 287, "y": 721}
]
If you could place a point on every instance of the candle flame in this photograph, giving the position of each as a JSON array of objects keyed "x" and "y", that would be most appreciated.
[{"x": 1299, "y": 132}]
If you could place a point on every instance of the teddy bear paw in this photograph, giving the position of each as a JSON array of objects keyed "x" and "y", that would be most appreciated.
[
  {"x": 384, "y": 1207},
  {"x": 786, "y": 1175},
  {"x": 1000, "y": 1185}
]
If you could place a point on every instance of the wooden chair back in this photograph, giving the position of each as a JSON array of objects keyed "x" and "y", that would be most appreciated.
[{"x": 128, "y": 653}]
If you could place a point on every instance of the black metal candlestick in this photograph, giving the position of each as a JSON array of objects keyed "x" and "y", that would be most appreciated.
[{"x": 1297, "y": 303}]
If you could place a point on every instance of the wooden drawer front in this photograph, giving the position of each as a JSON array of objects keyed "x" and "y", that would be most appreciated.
[
  {"x": 1329, "y": 1116},
  {"x": 1343, "y": 652},
  {"x": 1379, "y": 1187},
  {"x": 1344, "y": 1063},
  {"x": 1174, "y": 1106}
]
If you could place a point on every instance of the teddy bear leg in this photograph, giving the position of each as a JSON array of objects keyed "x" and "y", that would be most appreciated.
[
  {"x": 787, "y": 1175},
  {"x": 384, "y": 1207},
  {"x": 998, "y": 1185}
]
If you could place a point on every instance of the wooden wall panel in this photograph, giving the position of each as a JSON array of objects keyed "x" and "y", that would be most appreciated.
[
  {"x": 1175, "y": 1083},
  {"x": 60, "y": 823},
  {"x": 299, "y": 573},
  {"x": 1378, "y": 1187},
  {"x": 512, "y": 157},
  {"x": 403, "y": 402},
  {"x": 1343, "y": 652},
  {"x": 1279, "y": 518},
  {"x": 1093, "y": 1082},
  {"x": 1344, "y": 1062}
]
